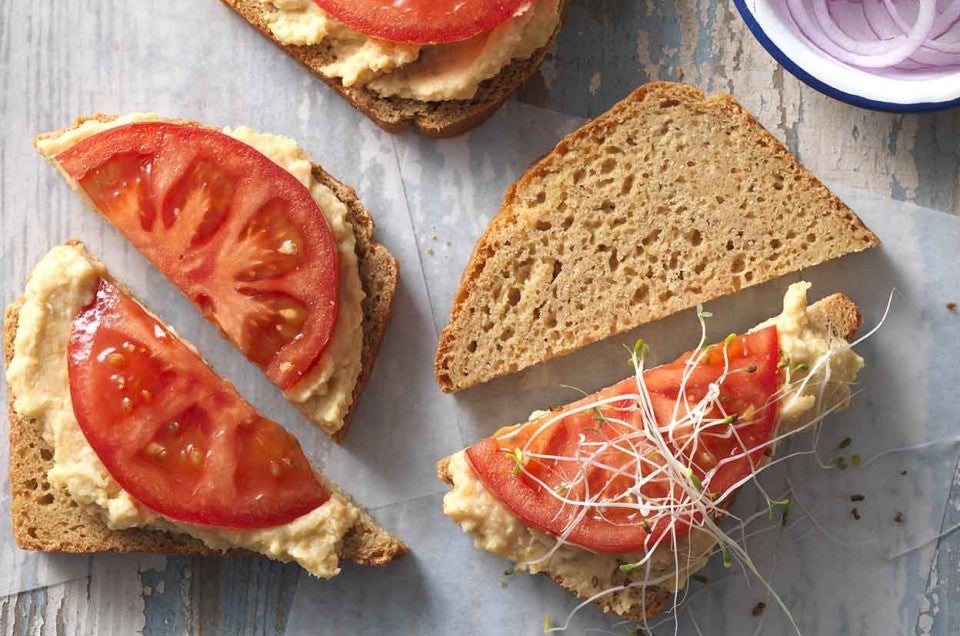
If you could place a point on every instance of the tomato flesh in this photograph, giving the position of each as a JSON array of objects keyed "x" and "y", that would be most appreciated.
[
  {"x": 627, "y": 479},
  {"x": 422, "y": 21},
  {"x": 238, "y": 234},
  {"x": 171, "y": 432}
]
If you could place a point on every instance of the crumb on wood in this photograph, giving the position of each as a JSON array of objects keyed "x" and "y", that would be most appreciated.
[
  {"x": 447, "y": 243},
  {"x": 857, "y": 497},
  {"x": 855, "y": 513},
  {"x": 502, "y": 583},
  {"x": 758, "y": 608},
  {"x": 899, "y": 517},
  {"x": 951, "y": 306},
  {"x": 433, "y": 237},
  {"x": 429, "y": 251},
  {"x": 903, "y": 472}
]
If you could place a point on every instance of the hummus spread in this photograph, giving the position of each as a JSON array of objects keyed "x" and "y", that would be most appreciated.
[
  {"x": 447, "y": 71},
  {"x": 497, "y": 530},
  {"x": 325, "y": 393},
  {"x": 60, "y": 285}
]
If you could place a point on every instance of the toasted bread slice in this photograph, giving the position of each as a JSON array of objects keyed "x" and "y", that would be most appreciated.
[
  {"x": 46, "y": 518},
  {"x": 668, "y": 199},
  {"x": 379, "y": 272},
  {"x": 393, "y": 114},
  {"x": 838, "y": 316}
]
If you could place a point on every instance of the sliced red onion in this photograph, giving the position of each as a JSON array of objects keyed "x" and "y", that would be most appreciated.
[
  {"x": 859, "y": 47},
  {"x": 943, "y": 23},
  {"x": 897, "y": 44}
]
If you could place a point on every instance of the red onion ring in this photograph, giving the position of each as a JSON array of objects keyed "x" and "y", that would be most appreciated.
[{"x": 897, "y": 44}]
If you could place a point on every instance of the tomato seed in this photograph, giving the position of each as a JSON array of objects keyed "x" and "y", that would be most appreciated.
[
  {"x": 173, "y": 427},
  {"x": 156, "y": 450},
  {"x": 126, "y": 405},
  {"x": 116, "y": 359},
  {"x": 274, "y": 468}
]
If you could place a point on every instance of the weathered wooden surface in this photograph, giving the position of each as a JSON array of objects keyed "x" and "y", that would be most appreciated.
[{"x": 193, "y": 58}]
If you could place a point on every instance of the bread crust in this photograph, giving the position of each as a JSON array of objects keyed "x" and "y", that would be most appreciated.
[
  {"x": 379, "y": 270},
  {"x": 839, "y": 316},
  {"x": 393, "y": 114},
  {"x": 46, "y": 518},
  {"x": 508, "y": 219}
]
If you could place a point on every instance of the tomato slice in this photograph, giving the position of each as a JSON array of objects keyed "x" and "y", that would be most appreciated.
[
  {"x": 606, "y": 455},
  {"x": 422, "y": 21},
  {"x": 171, "y": 432},
  {"x": 238, "y": 234}
]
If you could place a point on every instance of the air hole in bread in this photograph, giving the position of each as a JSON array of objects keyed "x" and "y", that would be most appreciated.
[
  {"x": 650, "y": 238},
  {"x": 513, "y": 296},
  {"x": 542, "y": 225},
  {"x": 608, "y": 165},
  {"x": 472, "y": 346},
  {"x": 45, "y": 500},
  {"x": 738, "y": 264}
]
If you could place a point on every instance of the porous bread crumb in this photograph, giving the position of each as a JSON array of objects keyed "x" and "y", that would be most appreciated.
[{"x": 667, "y": 200}]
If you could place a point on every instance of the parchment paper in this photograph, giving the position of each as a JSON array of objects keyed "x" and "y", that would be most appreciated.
[{"x": 846, "y": 581}]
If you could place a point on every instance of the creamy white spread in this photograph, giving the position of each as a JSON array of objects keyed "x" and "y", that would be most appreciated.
[
  {"x": 497, "y": 530},
  {"x": 325, "y": 393},
  {"x": 438, "y": 72},
  {"x": 60, "y": 285}
]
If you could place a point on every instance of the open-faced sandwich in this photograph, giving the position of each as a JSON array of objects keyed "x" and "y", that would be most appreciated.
[
  {"x": 122, "y": 439},
  {"x": 619, "y": 497},
  {"x": 444, "y": 66},
  {"x": 667, "y": 200},
  {"x": 273, "y": 250}
]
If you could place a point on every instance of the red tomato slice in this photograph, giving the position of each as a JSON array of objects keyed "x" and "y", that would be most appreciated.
[
  {"x": 172, "y": 433},
  {"x": 422, "y": 21},
  {"x": 238, "y": 234},
  {"x": 553, "y": 454}
]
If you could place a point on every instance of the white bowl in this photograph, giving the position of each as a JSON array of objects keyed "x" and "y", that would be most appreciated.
[{"x": 912, "y": 92}]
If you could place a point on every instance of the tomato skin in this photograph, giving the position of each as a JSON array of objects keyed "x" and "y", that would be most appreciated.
[
  {"x": 422, "y": 21},
  {"x": 748, "y": 391},
  {"x": 172, "y": 433},
  {"x": 235, "y": 232}
]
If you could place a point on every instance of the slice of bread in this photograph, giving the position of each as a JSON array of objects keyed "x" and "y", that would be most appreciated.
[
  {"x": 47, "y": 518},
  {"x": 836, "y": 314},
  {"x": 393, "y": 114},
  {"x": 379, "y": 272},
  {"x": 669, "y": 199}
]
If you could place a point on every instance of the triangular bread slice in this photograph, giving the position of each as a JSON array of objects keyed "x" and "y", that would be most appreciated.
[
  {"x": 835, "y": 314},
  {"x": 393, "y": 114},
  {"x": 669, "y": 199},
  {"x": 46, "y": 518},
  {"x": 379, "y": 271}
]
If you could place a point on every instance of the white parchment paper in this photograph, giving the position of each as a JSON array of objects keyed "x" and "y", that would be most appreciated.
[{"x": 833, "y": 572}]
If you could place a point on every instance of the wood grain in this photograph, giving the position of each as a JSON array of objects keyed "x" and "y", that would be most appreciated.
[{"x": 193, "y": 58}]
